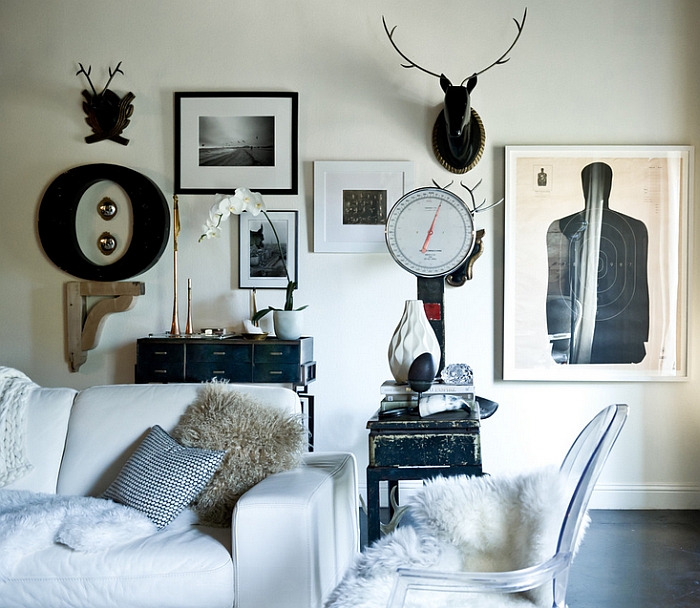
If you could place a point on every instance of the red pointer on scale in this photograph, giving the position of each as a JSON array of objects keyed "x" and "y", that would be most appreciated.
[{"x": 430, "y": 232}]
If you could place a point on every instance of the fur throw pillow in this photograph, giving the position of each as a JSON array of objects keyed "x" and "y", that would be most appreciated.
[{"x": 259, "y": 439}]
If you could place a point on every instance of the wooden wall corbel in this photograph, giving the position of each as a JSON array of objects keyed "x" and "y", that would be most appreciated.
[{"x": 84, "y": 326}]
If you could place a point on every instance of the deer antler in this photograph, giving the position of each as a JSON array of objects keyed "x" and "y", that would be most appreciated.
[
  {"x": 411, "y": 64},
  {"x": 503, "y": 59},
  {"x": 87, "y": 75},
  {"x": 443, "y": 187},
  {"x": 479, "y": 208},
  {"x": 112, "y": 75}
]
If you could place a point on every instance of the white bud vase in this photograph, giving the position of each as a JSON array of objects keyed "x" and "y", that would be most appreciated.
[{"x": 412, "y": 337}]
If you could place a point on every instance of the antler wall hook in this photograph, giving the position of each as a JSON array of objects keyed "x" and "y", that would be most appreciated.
[
  {"x": 458, "y": 134},
  {"x": 107, "y": 114}
]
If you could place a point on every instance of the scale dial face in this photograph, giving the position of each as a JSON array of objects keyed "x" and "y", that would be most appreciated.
[{"x": 430, "y": 232}]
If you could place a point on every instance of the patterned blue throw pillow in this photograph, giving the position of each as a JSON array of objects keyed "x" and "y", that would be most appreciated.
[{"x": 162, "y": 477}]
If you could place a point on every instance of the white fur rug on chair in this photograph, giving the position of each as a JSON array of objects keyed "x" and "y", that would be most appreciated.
[
  {"x": 473, "y": 524},
  {"x": 32, "y": 521}
]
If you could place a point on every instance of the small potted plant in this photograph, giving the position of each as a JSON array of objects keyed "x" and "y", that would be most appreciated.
[{"x": 288, "y": 320}]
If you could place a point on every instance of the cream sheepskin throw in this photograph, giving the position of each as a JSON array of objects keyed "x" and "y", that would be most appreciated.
[
  {"x": 259, "y": 439},
  {"x": 472, "y": 524},
  {"x": 32, "y": 521}
]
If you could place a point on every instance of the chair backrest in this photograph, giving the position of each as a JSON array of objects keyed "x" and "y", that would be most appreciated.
[{"x": 582, "y": 466}]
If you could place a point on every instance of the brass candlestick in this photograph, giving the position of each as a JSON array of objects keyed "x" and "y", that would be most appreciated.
[
  {"x": 188, "y": 327},
  {"x": 175, "y": 326}
]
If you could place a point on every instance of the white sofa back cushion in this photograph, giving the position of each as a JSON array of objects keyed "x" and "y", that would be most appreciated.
[
  {"x": 108, "y": 423},
  {"x": 47, "y": 414}
]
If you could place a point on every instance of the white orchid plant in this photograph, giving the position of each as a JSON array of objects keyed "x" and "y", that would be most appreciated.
[{"x": 252, "y": 202}]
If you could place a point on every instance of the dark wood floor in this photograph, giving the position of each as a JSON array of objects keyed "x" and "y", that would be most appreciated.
[
  {"x": 634, "y": 559},
  {"x": 639, "y": 559}
]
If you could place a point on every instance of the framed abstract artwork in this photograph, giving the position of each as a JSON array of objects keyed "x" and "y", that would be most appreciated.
[
  {"x": 351, "y": 202},
  {"x": 225, "y": 141},
  {"x": 596, "y": 262}
]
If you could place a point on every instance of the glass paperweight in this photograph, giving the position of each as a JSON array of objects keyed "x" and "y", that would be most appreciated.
[{"x": 457, "y": 373}]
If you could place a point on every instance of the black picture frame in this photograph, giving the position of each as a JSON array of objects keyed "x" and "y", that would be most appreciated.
[{"x": 228, "y": 140}]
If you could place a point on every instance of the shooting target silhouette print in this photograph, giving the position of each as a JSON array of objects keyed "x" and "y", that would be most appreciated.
[{"x": 597, "y": 291}]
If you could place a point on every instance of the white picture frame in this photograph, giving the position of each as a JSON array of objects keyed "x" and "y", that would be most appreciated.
[
  {"x": 635, "y": 270},
  {"x": 351, "y": 201}
]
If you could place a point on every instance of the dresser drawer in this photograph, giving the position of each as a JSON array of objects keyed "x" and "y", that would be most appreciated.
[
  {"x": 238, "y": 353},
  {"x": 274, "y": 352},
  {"x": 429, "y": 448},
  {"x": 271, "y": 372},
  {"x": 160, "y": 362},
  {"x": 204, "y": 371}
]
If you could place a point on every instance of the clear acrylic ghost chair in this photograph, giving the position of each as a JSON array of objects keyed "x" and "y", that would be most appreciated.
[{"x": 582, "y": 467}]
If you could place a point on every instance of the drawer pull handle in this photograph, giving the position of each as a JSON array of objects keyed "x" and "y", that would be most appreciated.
[
  {"x": 275, "y": 373},
  {"x": 161, "y": 352},
  {"x": 218, "y": 371},
  {"x": 160, "y": 371},
  {"x": 219, "y": 352},
  {"x": 276, "y": 353}
]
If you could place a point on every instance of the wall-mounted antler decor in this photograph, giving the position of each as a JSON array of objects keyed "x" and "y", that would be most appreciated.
[
  {"x": 458, "y": 134},
  {"x": 107, "y": 114}
]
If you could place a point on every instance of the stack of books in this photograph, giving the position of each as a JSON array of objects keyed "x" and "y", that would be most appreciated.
[{"x": 400, "y": 396}]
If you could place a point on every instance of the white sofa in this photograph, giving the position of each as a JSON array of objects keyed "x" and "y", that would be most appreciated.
[{"x": 293, "y": 535}]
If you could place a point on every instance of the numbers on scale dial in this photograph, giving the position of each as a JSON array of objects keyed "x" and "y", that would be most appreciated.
[{"x": 430, "y": 232}]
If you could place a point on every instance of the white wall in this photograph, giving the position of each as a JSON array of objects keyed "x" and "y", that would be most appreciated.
[{"x": 596, "y": 72}]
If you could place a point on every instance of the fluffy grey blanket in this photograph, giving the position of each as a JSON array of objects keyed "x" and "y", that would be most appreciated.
[
  {"x": 472, "y": 524},
  {"x": 32, "y": 521}
]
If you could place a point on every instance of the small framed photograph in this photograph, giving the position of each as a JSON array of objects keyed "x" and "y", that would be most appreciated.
[
  {"x": 262, "y": 259},
  {"x": 351, "y": 202},
  {"x": 596, "y": 262},
  {"x": 225, "y": 141}
]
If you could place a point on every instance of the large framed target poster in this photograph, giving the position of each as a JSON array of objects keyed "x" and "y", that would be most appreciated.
[{"x": 597, "y": 248}]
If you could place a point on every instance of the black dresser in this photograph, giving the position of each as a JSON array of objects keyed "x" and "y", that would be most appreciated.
[{"x": 201, "y": 359}]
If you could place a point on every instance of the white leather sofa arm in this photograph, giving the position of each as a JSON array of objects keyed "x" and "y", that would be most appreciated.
[{"x": 295, "y": 533}]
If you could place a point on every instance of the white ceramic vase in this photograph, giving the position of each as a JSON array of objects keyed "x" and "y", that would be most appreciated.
[
  {"x": 412, "y": 337},
  {"x": 288, "y": 323}
]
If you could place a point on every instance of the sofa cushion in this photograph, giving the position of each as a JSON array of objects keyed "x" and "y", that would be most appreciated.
[
  {"x": 160, "y": 570},
  {"x": 47, "y": 413},
  {"x": 107, "y": 424},
  {"x": 258, "y": 439},
  {"x": 162, "y": 477}
]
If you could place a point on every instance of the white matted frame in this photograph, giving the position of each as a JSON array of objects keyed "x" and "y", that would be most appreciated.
[
  {"x": 597, "y": 249},
  {"x": 260, "y": 264},
  {"x": 351, "y": 202},
  {"x": 228, "y": 140}
]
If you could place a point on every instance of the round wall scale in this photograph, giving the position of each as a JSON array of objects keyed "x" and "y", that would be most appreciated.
[{"x": 430, "y": 232}]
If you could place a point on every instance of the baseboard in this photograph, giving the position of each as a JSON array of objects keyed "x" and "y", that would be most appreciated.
[
  {"x": 646, "y": 496},
  {"x": 680, "y": 496}
]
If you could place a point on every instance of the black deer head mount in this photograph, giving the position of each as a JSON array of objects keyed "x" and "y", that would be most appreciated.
[
  {"x": 458, "y": 134},
  {"x": 107, "y": 114}
]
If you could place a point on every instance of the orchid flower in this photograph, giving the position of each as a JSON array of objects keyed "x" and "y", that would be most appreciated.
[{"x": 242, "y": 200}]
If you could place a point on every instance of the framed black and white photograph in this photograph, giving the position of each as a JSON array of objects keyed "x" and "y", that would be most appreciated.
[
  {"x": 351, "y": 202},
  {"x": 596, "y": 262},
  {"x": 264, "y": 262},
  {"x": 229, "y": 140}
]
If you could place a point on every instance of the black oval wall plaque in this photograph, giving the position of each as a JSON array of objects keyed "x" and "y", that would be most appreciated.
[{"x": 57, "y": 230}]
